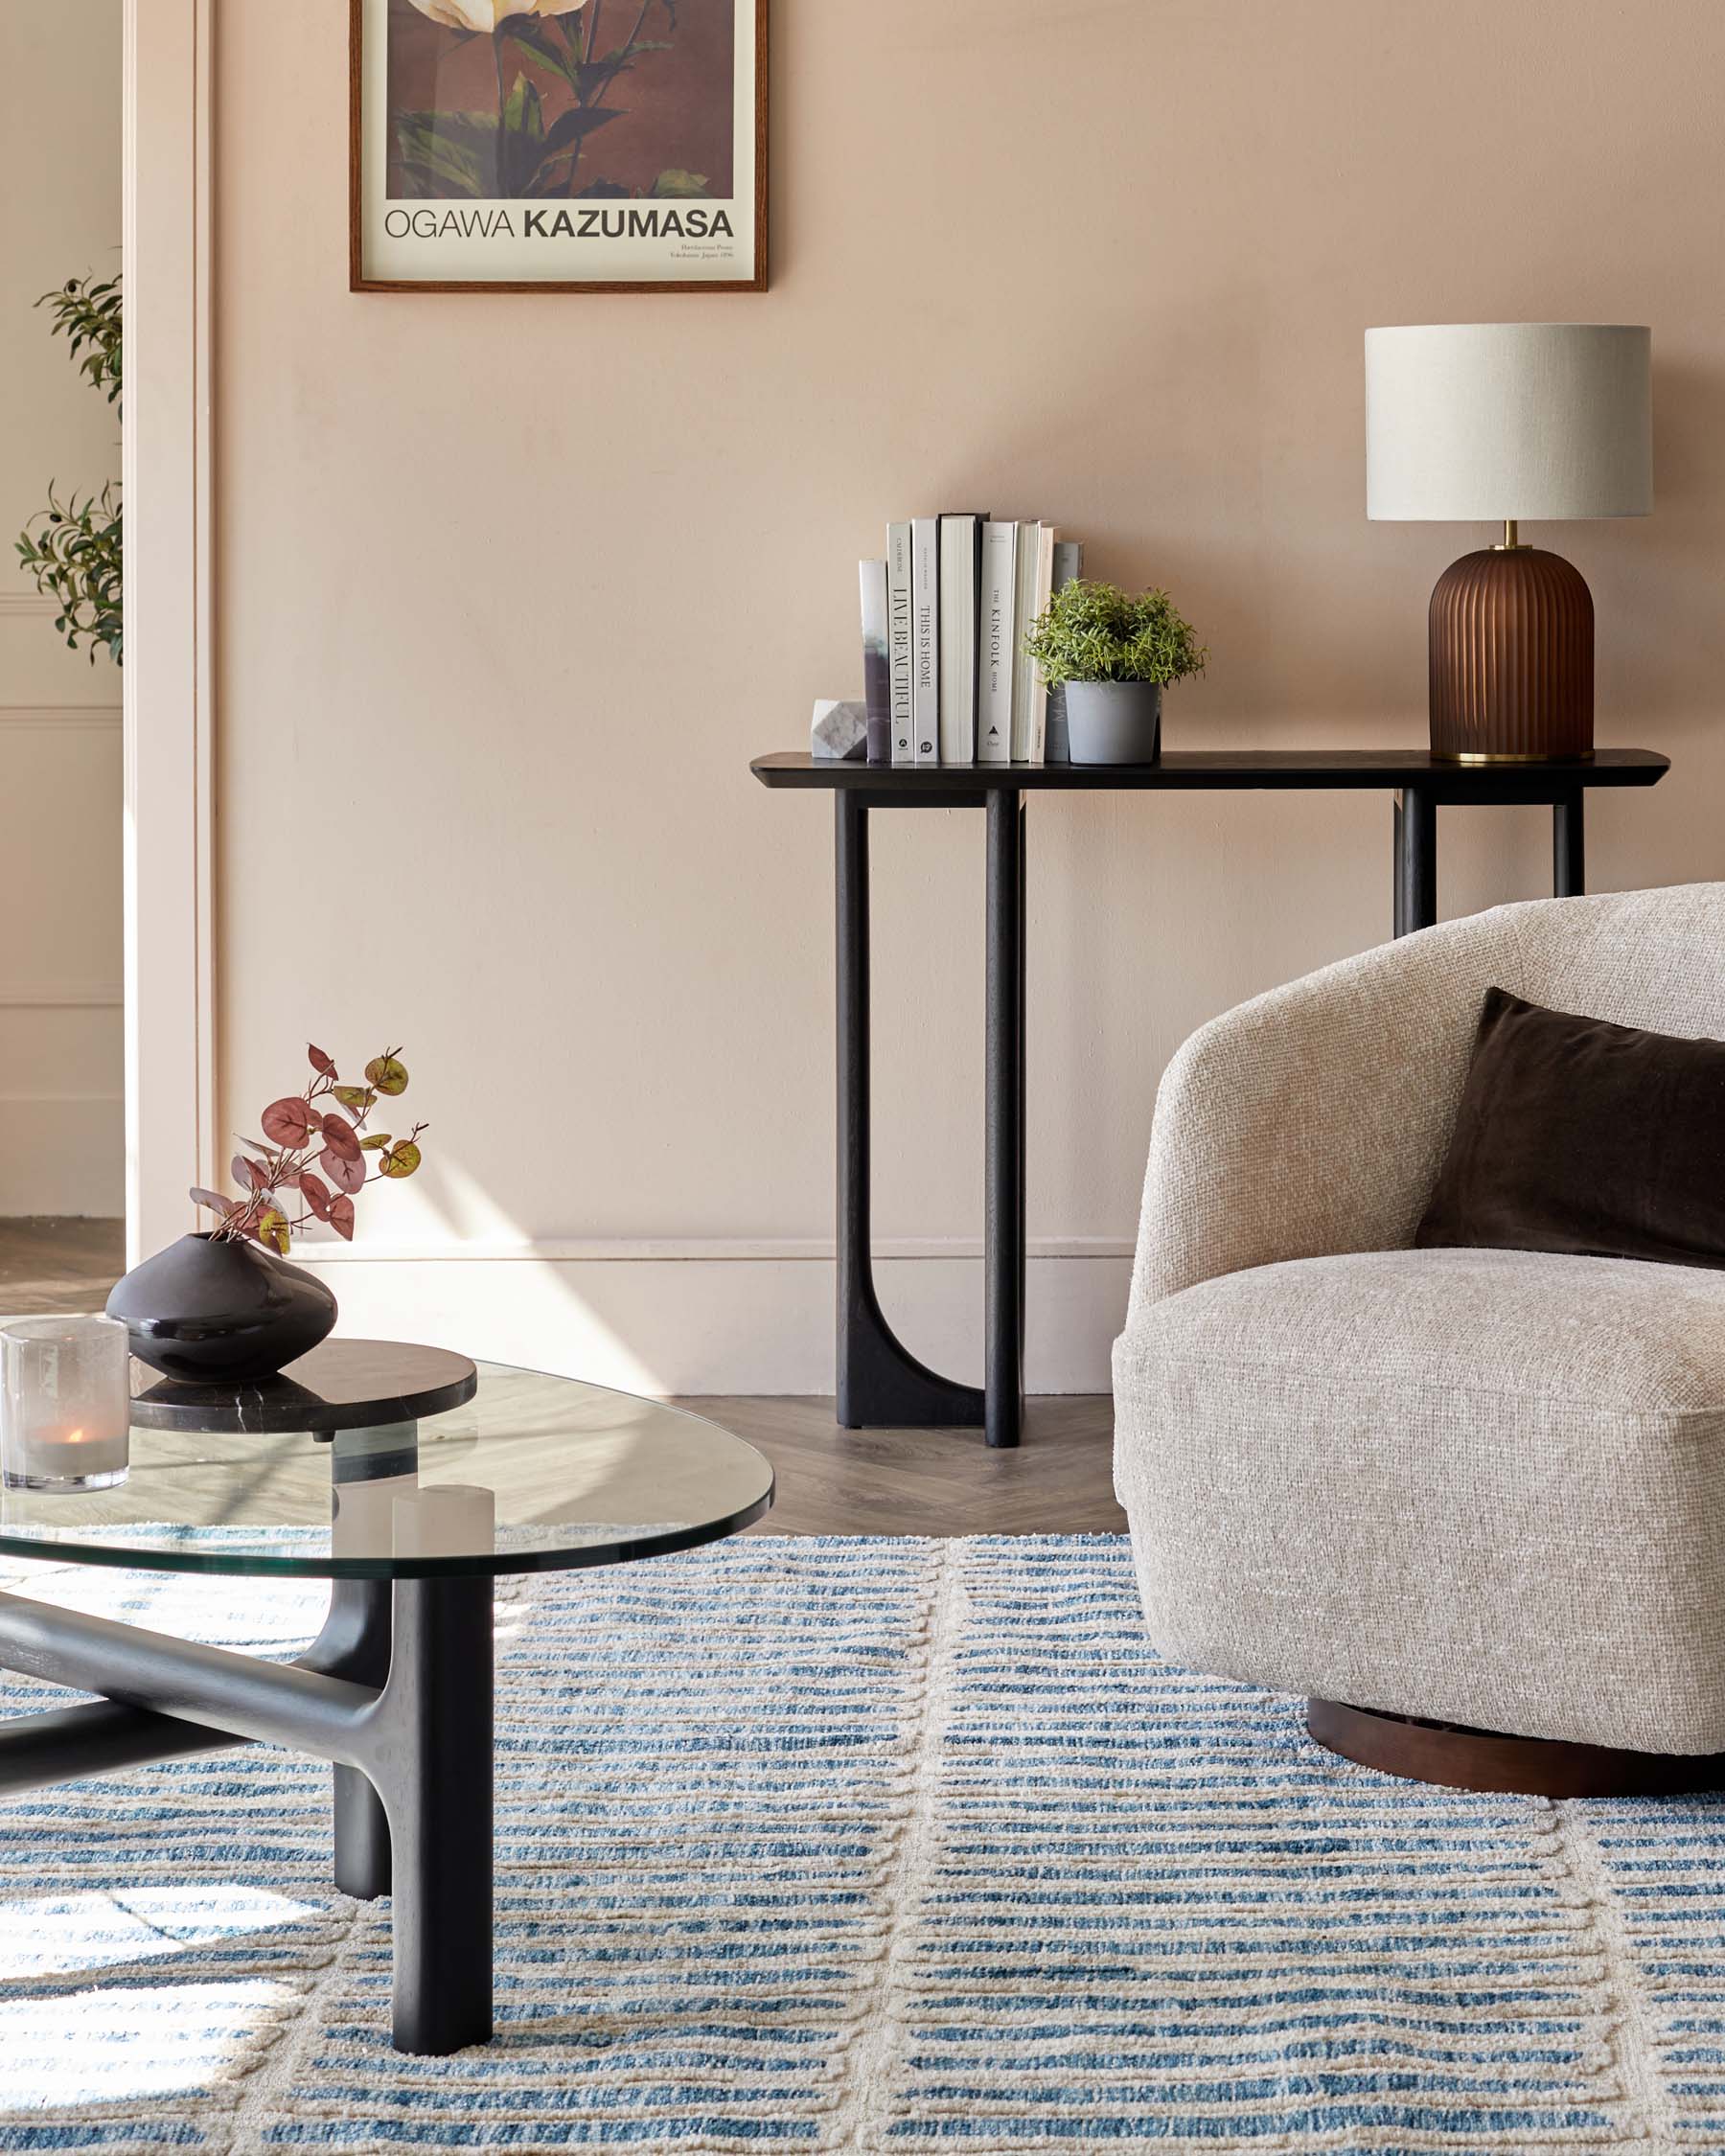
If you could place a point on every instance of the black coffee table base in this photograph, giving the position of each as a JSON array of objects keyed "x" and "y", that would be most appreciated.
[{"x": 396, "y": 1691}]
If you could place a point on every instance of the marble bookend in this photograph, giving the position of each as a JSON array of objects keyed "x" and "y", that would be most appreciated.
[{"x": 839, "y": 731}]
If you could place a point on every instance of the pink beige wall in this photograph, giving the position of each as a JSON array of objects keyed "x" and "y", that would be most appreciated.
[
  {"x": 512, "y": 589},
  {"x": 61, "y": 1121}
]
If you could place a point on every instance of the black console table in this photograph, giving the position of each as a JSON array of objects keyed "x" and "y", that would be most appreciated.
[{"x": 880, "y": 1382}]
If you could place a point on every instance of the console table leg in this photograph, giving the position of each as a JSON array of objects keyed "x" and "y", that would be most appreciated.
[
  {"x": 1397, "y": 896},
  {"x": 1004, "y": 1229},
  {"x": 880, "y": 1383},
  {"x": 1569, "y": 846},
  {"x": 1417, "y": 883}
]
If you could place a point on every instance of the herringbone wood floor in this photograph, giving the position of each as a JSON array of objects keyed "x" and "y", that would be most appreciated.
[{"x": 830, "y": 1480}]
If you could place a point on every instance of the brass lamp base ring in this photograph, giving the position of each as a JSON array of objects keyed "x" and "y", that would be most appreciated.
[{"x": 1493, "y": 756}]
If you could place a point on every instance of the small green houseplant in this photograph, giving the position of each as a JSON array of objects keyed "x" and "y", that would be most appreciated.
[
  {"x": 73, "y": 547},
  {"x": 1114, "y": 651}
]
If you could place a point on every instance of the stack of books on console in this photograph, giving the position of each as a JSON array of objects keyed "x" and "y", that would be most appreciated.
[{"x": 944, "y": 619}]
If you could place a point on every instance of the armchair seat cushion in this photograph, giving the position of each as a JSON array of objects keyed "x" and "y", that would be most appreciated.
[{"x": 1483, "y": 1486}]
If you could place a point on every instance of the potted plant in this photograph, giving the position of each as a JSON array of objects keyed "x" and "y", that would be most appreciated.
[
  {"x": 1115, "y": 652},
  {"x": 223, "y": 1306}
]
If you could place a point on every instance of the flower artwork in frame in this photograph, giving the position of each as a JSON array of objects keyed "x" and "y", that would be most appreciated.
[{"x": 594, "y": 147}]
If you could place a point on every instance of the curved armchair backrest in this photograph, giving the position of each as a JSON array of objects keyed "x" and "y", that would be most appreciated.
[{"x": 1313, "y": 1121}]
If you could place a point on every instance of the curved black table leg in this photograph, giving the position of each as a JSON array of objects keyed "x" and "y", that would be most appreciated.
[
  {"x": 422, "y": 1741},
  {"x": 880, "y": 1383},
  {"x": 354, "y": 1642}
]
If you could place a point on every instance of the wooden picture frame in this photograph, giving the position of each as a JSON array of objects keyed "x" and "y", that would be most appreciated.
[{"x": 636, "y": 231}]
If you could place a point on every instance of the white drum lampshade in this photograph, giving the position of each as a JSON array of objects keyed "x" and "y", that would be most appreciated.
[{"x": 1509, "y": 422}]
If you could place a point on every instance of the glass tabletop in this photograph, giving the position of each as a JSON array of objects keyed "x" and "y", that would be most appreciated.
[{"x": 531, "y": 1474}]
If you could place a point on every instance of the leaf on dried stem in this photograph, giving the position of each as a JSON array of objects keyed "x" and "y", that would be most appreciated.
[
  {"x": 341, "y": 1139},
  {"x": 387, "y": 1075},
  {"x": 347, "y": 1172},
  {"x": 287, "y": 1121}
]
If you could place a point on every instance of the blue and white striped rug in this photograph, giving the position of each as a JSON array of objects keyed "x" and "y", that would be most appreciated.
[{"x": 863, "y": 1846}]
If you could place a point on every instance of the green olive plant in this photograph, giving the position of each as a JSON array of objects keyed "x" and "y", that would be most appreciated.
[
  {"x": 322, "y": 1127},
  {"x": 73, "y": 547},
  {"x": 1099, "y": 632}
]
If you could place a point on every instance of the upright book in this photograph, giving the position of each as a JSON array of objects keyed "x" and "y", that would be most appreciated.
[
  {"x": 1029, "y": 698},
  {"x": 924, "y": 638},
  {"x": 998, "y": 615},
  {"x": 899, "y": 642},
  {"x": 1069, "y": 568},
  {"x": 960, "y": 541},
  {"x": 877, "y": 664}
]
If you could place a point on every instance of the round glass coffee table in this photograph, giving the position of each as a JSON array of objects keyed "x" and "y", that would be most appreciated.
[{"x": 409, "y": 1478}]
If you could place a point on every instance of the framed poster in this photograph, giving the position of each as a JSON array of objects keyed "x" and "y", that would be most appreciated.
[{"x": 567, "y": 145}]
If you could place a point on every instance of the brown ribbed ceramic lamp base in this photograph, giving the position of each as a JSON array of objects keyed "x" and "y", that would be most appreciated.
[{"x": 1513, "y": 657}]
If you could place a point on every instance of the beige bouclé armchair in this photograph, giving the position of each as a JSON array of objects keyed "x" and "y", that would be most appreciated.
[{"x": 1480, "y": 1487}]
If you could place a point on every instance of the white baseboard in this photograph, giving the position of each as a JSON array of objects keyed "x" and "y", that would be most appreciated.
[
  {"x": 698, "y": 1316},
  {"x": 62, "y": 1155}
]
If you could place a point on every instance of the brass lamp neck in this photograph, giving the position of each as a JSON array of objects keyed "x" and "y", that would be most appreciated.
[{"x": 1511, "y": 544}]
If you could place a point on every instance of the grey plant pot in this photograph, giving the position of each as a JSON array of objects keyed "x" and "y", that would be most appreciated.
[{"x": 1114, "y": 722}]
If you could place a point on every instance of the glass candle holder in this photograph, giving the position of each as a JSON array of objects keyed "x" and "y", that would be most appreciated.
[{"x": 65, "y": 1403}]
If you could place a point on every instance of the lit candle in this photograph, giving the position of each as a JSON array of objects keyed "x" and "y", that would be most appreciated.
[{"x": 65, "y": 1403}]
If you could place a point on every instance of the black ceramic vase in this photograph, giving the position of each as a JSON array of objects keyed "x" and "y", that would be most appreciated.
[{"x": 216, "y": 1310}]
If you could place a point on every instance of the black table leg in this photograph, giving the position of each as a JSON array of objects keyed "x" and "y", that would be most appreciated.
[
  {"x": 1569, "y": 846},
  {"x": 1004, "y": 1230},
  {"x": 356, "y": 1642},
  {"x": 1398, "y": 926},
  {"x": 434, "y": 1764},
  {"x": 1417, "y": 880},
  {"x": 880, "y": 1383},
  {"x": 423, "y": 1740}
]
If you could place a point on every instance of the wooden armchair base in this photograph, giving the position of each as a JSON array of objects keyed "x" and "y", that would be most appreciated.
[{"x": 1482, "y": 1759}]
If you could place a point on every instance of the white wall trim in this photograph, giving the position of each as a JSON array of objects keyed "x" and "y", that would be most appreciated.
[
  {"x": 167, "y": 681},
  {"x": 720, "y": 1321},
  {"x": 687, "y": 1250},
  {"x": 60, "y": 718},
  {"x": 26, "y": 603},
  {"x": 68, "y": 995}
]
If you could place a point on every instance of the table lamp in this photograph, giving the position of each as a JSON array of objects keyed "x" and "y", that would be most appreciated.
[{"x": 1511, "y": 422}]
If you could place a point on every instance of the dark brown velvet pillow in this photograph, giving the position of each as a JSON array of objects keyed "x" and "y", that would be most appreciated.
[{"x": 1577, "y": 1135}]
